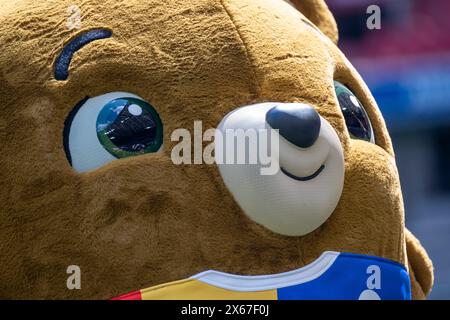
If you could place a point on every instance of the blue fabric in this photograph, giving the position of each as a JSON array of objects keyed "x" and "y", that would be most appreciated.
[
  {"x": 65, "y": 57},
  {"x": 353, "y": 276}
]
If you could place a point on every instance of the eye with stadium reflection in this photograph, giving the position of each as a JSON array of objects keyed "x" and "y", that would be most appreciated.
[
  {"x": 109, "y": 127},
  {"x": 356, "y": 118}
]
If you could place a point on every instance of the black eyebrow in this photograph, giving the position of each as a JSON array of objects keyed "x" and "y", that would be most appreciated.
[{"x": 62, "y": 63}]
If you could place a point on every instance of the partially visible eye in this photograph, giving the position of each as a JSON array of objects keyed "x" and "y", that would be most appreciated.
[
  {"x": 111, "y": 126},
  {"x": 356, "y": 118}
]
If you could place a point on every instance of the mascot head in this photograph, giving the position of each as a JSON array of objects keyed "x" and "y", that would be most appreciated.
[{"x": 93, "y": 93}]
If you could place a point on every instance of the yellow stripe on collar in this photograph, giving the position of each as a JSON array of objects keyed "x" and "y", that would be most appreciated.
[{"x": 191, "y": 289}]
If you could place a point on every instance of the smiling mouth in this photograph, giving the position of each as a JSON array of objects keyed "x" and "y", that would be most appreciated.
[{"x": 315, "y": 174}]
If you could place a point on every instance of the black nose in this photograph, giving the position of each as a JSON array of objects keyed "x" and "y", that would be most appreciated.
[{"x": 297, "y": 123}]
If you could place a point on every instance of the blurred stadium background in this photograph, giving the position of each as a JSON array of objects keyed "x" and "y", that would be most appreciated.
[{"x": 407, "y": 66}]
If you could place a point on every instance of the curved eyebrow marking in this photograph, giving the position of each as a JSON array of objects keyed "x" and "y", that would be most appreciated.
[{"x": 62, "y": 63}]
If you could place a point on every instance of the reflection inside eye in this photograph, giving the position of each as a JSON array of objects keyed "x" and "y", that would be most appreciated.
[
  {"x": 356, "y": 118},
  {"x": 129, "y": 126},
  {"x": 114, "y": 125}
]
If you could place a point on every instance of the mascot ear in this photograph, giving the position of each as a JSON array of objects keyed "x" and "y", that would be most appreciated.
[
  {"x": 420, "y": 267},
  {"x": 318, "y": 13}
]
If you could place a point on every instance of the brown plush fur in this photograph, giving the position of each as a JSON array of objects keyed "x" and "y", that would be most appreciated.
[{"x": 143, "y": 221}]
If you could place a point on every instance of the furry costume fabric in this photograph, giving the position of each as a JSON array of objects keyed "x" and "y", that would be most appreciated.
[{"x": 142, "y": 221}]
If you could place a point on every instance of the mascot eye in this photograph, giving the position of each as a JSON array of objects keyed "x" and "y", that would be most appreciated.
[
  {"x": 108, "y": 127},
  {"x": 356, "y": 118}
]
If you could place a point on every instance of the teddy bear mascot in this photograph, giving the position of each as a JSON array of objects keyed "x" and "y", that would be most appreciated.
[{"x": 102, "y": 193}]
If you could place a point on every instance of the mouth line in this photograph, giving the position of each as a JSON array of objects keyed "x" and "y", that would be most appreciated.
[{"x": 315, "y": 174}]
